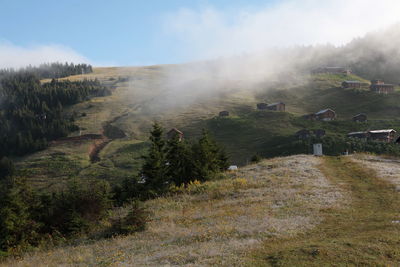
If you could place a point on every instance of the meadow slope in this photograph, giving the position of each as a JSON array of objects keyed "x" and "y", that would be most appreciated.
[
  {"x": 142, "y": 95},
  {"x": 216, "y": 223},
  {"x": 293, "y": 211}
]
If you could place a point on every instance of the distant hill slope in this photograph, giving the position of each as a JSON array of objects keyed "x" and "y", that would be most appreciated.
[{"x": 141, "y": 97}]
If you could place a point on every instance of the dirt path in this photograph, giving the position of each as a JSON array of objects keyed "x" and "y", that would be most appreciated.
[{"x": 365, "y": 233}]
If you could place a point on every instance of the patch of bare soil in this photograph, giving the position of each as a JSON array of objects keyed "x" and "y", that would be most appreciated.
[{"x": 96, "y": 147}]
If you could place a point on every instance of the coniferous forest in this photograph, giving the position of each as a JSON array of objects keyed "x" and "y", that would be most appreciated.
[
  {"x": 31, "y": 112},
  {"x": 52, "y": 70}
]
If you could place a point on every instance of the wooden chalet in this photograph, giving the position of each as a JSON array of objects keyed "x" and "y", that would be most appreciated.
[
  {"x": 173, "y": 133},
  {"x": 379, "y": 86},
  {"x": 387, "y": 135},
  {"x": 224, "y": 113},
  {"x": 280, "y": 106},
  {"x": 352, "y": 84},
  {"x": 319, "y": 133},
  {"x": 326, "y": 115},
  {"x": 262, "y": 106},
  {"x": 303, "y": 134},
  {"x": 360, "y": 117},
  {"x": 310, "y": 117},
  {"x": 360, "y": 135}
]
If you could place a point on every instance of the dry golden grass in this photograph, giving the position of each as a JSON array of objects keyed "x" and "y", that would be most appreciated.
[{"x": 215, "y": 223}]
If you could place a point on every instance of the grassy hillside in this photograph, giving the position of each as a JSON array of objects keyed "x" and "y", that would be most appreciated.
[
  {"x": 141, "y": 96},
  {"x": 218, "y": 222},
  {"x": 294, "y": 211}
]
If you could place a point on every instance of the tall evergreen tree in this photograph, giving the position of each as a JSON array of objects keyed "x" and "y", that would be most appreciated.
[
  {"x": 154, "y": 168},
  {"x": 209, "y": 158},
  {"x": 17, "y": 228},
  {"x": 179, "y": 161}
]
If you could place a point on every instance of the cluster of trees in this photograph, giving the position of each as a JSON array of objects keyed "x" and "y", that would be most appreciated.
[
  {"x": 174, "y": 162},
  {"x": 31, "y": 112},
  {"x": 30, "y": 219},
  {"x": 51, "y": 70}
]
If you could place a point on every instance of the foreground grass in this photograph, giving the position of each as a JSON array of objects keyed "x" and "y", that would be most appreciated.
[
  {"x": 365, "y": 233},
  {"x": 215, "y": 223}
]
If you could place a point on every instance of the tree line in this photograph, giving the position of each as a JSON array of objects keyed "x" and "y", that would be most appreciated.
[
  {"x": 31, "y": 112},
  {"x": 174, "y": 162},
  {"x": 52, "y": 70}
]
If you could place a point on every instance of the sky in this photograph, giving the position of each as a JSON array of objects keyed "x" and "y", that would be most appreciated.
[{"x": 122, "y": 32}]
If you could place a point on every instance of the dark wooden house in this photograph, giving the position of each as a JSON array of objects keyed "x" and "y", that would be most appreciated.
[
  {"x": 319, "y": 133},
  {"x": 303, "y": 134},
  {"x": 352, "y": 84},
  {"x": 310, "y": 117},
  {"x": 224, "y": 113},
  {"x": 326, "y": 115},
  {"x": 378, "y": 86},
  {"x": 387, "y": 135},
  {"x": 173, "y": 133},
  {"x": 280, "y": 106},
  {"x": 360, "y": 117},
  {"x": 262, "y": 106},
  {"x": 359, "y": 135}
]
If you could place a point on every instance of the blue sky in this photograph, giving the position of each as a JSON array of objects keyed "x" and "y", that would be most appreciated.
[
  {"x": 122, "y": 32},
  {"x": 114, "y": 32}
]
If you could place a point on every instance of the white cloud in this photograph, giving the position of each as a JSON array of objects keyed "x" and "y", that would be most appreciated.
[
  {"x": 211, "y": 32},
  {"x": 13, "y": 56}
]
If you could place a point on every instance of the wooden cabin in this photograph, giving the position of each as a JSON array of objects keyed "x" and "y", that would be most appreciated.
[
  {"x": 379, "y": 86},
  {"x": 173, "y": 133},
  {"x": 303, "y": 134},
  {"x": 280, "y": 106},
  {"x": 310, "y": 117},
  {"x": 360, "y": 135},
  {"x": 224, "y": 113},
  {"x": 352, "y": 84},
  {"x": 319, "y": 133},
  {"x": 326, "y": 115},
  {"x": 387, "y": 135},
  {"x": 360, "y": 117},
  {"x": 262, "y": 106}
]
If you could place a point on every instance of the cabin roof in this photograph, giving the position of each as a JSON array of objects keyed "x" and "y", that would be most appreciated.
[
  {"x": 175, "y": 130},
  {"x": 382, "y": 131},
  {"x": 354, "y": 133},
  {"x": 323, "y": 111},
  {"x": 352, "y": 82},
  {"x": 275, "y": 104},
  {"x": 360, "y": 114}
]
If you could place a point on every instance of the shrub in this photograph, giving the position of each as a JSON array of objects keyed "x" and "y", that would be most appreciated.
[
  {"x": 77, "y": 208},
  {"x": 134, "y": 221}
]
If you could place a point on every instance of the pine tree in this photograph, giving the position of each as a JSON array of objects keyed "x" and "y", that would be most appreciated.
[
  {"x": 209, "y": 158},
  {"x": 16, "y": 225},
  {"x": 154, "y": 169},
  {"x": 179, "y": 162}
]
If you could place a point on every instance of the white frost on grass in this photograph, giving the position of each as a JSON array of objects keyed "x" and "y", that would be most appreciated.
[{"x": 386, "y": 168}]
